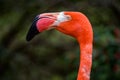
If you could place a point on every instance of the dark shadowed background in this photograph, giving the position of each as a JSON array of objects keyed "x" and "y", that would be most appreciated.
[{"x": 52, "y": 55}]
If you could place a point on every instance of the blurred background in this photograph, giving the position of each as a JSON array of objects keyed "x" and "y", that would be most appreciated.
[{"x": 52, "y": 55}]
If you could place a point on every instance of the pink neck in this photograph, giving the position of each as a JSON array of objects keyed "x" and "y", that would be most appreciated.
[{"x": 85, "y": 60}]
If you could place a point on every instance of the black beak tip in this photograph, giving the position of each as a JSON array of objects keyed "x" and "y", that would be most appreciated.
[
  {"x": 28, "y": 38},
  {"x": 33, "y": 30}
]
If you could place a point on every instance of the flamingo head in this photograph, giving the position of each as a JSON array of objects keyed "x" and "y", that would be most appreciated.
[{"x": 65, "y": 22}]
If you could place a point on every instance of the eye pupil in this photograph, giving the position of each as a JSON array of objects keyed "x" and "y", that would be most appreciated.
[{"x": 68, "y": 17}]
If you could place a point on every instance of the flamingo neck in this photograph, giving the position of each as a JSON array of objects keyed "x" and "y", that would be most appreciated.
[{"x": 85, "y": 60}]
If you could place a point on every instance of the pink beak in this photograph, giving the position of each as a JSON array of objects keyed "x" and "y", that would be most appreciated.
[{"x": 41, "y": 22}]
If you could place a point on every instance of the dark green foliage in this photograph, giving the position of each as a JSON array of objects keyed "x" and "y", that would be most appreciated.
[{"x": 52, "y": 55}]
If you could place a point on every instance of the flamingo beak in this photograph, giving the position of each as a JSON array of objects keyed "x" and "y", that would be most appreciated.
[{"x": 41, "y": 23}]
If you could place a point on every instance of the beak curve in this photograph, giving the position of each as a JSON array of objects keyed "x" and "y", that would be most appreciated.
[
  {"x": 41, "y": 23},
  {"x": 33, "y": 29}
]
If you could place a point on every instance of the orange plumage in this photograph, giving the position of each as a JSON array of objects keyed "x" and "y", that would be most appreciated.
[{"x": 74, "y": 24}]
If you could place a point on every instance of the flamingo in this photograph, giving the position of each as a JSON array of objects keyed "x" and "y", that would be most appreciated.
[{"x": 75, "y": 24}]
